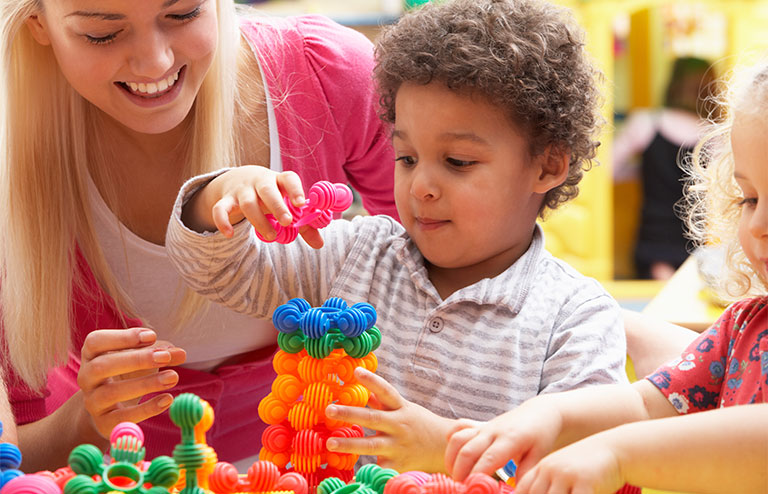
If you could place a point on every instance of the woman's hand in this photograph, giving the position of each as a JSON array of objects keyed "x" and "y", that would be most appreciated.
[
  {"x": 118, "y": 367},
  {"x": 408, "y": 436},
  {"x": 249, "y": 192}
]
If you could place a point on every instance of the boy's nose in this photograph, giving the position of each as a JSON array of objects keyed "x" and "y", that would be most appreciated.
[
  {"x": 152, "y": 56},
  {"x": 424, "y": 183}
]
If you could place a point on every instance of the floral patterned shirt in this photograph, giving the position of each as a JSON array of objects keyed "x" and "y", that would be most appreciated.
[{"x": 727, "y": 365}]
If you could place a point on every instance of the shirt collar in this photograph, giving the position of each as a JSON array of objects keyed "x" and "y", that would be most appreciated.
[{"x": 509, "y": 288}]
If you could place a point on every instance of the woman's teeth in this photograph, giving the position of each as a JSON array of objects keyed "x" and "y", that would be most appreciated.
[{"x": 151, "y": 88}]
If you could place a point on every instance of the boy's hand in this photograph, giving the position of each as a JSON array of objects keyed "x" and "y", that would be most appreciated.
[
  {"x": 118, "y": 367},
  {"x": 248, "y": 192},
  {"x": 409, "y": 437},
  {"x": 588, "y": 466},
  {"x": 524, "y": 434}
]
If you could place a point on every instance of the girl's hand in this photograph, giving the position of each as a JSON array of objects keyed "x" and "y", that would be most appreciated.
[
  {"x": 118, "y": 367},
  {"x": 408, "y": 436},
  {"x": 588, "y": 466},
  {"x": 524, "y": 434},
  {"x": 248, "y": 192}
]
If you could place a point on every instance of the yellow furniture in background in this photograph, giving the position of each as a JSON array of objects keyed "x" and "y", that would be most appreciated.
[{"x": 581, "y": 232}]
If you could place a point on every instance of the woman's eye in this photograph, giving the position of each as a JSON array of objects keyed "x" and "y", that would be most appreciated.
[
  {"x": 185, "y": 17},
  {"x": 459, "y": 163},
  {"x": 407, "y": 160},
  {"x": 101, "y": 40}
]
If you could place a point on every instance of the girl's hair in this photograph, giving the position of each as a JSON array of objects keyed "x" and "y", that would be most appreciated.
[
  {"x": 712, "y": 196},
  {"x": 526, "y": 56},
  {"x": 46, "y": 141}
]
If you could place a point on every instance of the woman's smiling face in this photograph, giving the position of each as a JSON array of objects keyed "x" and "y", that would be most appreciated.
[{"x": 142, "y": 63}]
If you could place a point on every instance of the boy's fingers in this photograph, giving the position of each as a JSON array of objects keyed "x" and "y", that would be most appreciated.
[
  {"x": 221, "y": 213},
  {"x": 291, "y": 183},
  {"x": 365, "y": 417},
  {"x": 387, "y": 396},
  {"x": 456, "y": 442},
  {"x": 312, "y": 237},
  {"x": 254, "y": 213},
  {"x": 371, "y": 445},
  {"x": 470, "y": 454},
  {"x": 112, "y": 340},
  {"x": 272, "y": 200},
  {"x": 493, "y": 456}
]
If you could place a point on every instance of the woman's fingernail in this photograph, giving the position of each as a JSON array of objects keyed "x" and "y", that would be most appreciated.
[
  {"x": 161, "y": 356},
  {"x": 165, "y": 401},
  {"x": 332, "y": 444},
  {"x": 286, "y": 218},
  {"x": 330, "y": 410},
  {"x": 167, "y": 378},
  {"x": 146, "y": 336}
]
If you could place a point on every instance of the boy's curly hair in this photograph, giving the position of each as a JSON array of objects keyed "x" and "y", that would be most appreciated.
[{"x": 526, "y": 56}]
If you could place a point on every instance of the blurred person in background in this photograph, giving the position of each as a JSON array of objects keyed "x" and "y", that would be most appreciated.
[{"x": 662, "y": 138}]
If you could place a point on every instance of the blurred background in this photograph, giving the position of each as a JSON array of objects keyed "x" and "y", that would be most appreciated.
[{"x": 660, "y": 59}]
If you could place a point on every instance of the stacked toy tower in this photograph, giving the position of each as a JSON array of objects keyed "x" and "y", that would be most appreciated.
[{"x": 320, "y": 348}]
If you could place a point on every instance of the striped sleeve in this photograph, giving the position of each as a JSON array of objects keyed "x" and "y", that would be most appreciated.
[
  {"x": 591, "y": 334},
  {"x": 248, "y": 275}
]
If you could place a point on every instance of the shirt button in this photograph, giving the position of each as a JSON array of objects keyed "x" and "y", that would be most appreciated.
[{"x": 435, "y": 324}]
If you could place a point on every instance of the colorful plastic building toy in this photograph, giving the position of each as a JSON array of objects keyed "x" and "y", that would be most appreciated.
[
  {"x": 507, "y": 473},
  {"x": 369, "y": 479},
  {"x": 424, "y": 483},
  {"x": 319, "y": 351},
  {"x": 372, "y": 479},
  {"x": 209, "y": 457},
  {"x": 31, "y": 484},
  {"x": 187, "y": 411},
  {"x": 127, "y": 473},
  {"x": 13, "y": 481},
  {"x": 262, "y": 477},
  {"x": 324, "y": 199},
  {"x": 10, "y": 461},
  {"x": 201, "y": 473}
]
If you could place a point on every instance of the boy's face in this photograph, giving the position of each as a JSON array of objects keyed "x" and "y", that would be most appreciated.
[
  {"x": 142, "y": 63},
  {"x": 466, "y": 188}
]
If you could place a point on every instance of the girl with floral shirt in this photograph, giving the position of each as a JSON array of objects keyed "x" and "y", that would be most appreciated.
[{"x": 649, "y": 433}]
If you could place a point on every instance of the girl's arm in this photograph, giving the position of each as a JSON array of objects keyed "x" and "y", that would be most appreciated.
[
  {"x": 723, "y": 450},
  {"x": 549, "y": 422},
  {"x": 652, "y": 342}
]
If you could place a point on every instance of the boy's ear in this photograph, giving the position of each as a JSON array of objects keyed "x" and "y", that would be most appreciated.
[
  {"x": 553, "y": 169},
  {"x": 38, "y": 30}
]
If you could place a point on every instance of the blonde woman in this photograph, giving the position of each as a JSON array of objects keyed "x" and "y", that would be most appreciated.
[{"x": 107, "y": 107}]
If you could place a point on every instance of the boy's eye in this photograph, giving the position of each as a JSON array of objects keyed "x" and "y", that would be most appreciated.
[
  {"x": 102, "y": 40},
  {"x": 459, "y": 163},
  {"x": 189, "y": 15},
  {"x": 406, "y": 160}
]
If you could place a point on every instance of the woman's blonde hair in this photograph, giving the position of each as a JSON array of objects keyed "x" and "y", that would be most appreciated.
[
  {"x": 44, "y": 213},
  {"x": 712, "y": 199}
]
